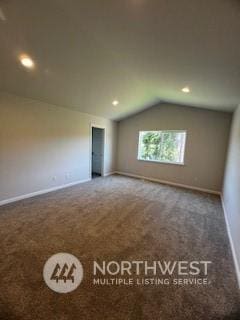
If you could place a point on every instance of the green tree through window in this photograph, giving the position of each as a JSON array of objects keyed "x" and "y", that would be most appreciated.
[{"x": 162, "y": 146}]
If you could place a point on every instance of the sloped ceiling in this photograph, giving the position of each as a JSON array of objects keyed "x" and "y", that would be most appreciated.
[{"x": 140, "y": 52}]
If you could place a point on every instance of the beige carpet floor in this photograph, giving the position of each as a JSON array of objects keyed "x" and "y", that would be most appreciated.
[{"x": 116, "y": 218}]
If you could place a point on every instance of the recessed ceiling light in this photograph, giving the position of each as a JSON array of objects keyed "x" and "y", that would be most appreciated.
[
  {"x": 26, "y": 61},
  {"x": 115, "y": 102},
  {"x": 186, "y": 90}
]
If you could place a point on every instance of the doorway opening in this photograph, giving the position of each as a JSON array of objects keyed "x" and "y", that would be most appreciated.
[{"x": 97, "y": 166}]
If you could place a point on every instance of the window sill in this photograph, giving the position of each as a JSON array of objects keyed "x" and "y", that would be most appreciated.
[{"x": 163, "y": 162}]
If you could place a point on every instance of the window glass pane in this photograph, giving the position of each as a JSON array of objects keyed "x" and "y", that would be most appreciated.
[
  {"x": 172, "y": 146},
  {"x": 162, "y": 146},
  {"x": 150, "y": 145}
]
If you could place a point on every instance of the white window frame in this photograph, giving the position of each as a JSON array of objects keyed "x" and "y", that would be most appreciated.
[{"x": 160, "y": 161}]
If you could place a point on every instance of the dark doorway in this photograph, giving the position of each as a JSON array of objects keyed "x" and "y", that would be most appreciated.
[{"x": 97, "y": 152}]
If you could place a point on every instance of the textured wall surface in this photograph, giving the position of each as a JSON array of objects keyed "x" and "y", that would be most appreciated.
[
  {"x": 206, "y": 145},
  {"x": 231, "y": 190},
  {"x": 44, "y": 146}
]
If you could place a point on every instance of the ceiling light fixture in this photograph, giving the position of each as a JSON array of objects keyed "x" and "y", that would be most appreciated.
[
  {"x": 26, "y": 61},
  {"x": 115, "y": 102},
  {"x": 186, "y": 90}
]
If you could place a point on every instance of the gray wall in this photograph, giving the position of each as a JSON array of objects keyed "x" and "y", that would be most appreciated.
[
  {"x": 44, "y": 146},
  {"x": 206, "y": 145},
  {"x": 231, "y": 190}
]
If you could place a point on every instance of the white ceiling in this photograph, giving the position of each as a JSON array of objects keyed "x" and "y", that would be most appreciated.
[{"x": 140, "y": 52}]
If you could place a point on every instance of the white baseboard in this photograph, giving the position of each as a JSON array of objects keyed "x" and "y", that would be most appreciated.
[
  {"x": 236, "y": 264},
  {"x": 169, "y": 183},
  {"x": 37, "y": 193},
  {"x": 109, "y": 173}
]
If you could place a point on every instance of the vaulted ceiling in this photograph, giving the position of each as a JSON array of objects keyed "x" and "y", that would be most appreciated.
[{"x": 139, "y": 52}]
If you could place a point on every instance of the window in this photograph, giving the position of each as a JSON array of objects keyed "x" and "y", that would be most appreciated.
[{"x": 162, "y": 146}]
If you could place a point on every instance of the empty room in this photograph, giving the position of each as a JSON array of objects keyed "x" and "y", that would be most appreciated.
[{"x": 119, "y": 160}]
